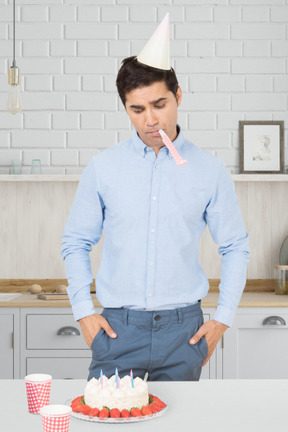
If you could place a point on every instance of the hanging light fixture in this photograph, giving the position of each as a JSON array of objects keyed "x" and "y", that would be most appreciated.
[{"x": 14, "y": 104}]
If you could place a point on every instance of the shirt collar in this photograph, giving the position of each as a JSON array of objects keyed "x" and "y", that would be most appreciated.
[{"x": 143, "y": 149}]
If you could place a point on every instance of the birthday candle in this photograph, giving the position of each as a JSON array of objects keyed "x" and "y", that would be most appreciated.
[
  {"x": 132, "y": 381},
  {"x": 166, "y": 140},
  {"x": 116, "y": 378}
]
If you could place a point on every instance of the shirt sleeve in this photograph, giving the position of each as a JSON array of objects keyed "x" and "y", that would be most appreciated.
[
  {"x": 227, "y": 229},
  {"x": 83, "y": 229}
]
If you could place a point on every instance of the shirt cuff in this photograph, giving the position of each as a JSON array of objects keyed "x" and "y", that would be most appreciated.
[
  {"x": 83, "y": 309},
  {"x": 224, "y": 315}
]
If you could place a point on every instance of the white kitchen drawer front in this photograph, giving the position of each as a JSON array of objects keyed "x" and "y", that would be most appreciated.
[
  {"x": 59, "y": 368},
  {"x": 256, "y": 346},
  {"x": 274, "y": 319},
  {"x": 51, "y": 331}
]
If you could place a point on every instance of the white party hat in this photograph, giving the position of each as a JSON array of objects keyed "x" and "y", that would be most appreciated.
[{"x": 156, "y": 52}]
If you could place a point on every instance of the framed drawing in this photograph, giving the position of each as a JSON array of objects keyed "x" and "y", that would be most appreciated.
[{"x": 261, "y": 147}]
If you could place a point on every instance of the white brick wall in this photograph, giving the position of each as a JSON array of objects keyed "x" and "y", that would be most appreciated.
[{"x": 230, "y": 57}]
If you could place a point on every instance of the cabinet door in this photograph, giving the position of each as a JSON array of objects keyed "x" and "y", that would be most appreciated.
[
  {"x": 209, "y": 371},
  {"x": 255, "y": 349},
  {"x": 6, "y": 343}
]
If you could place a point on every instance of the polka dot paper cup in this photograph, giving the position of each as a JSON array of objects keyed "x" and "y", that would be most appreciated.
[
  {"x": 38, "y": 391},
  {"x": 55, "y": 418}
]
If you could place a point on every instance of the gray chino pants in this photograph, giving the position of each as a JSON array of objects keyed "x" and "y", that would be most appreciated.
[{"x": 156, "y": 342}]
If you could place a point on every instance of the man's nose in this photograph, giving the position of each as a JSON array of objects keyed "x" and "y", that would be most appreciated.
[{"x": 151, "y": 119}]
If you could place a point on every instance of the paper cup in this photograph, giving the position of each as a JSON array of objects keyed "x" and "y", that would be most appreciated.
[
  {"x": 38, "y": 391},
  {"x": 55, "y": 418}
]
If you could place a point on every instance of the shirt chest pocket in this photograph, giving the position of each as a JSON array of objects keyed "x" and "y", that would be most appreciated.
[
  {"x": 126, "y": 207},
  {"x": 185, "y": 205}
]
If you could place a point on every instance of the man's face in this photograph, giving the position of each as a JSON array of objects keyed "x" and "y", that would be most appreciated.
[{"x": 151, "y": 108}]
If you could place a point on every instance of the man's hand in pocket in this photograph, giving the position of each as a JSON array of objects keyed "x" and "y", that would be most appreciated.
[{"x": 92, "y": 324}]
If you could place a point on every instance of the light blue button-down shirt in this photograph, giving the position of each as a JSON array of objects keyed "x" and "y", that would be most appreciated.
[{"x": 153, "y": 214}]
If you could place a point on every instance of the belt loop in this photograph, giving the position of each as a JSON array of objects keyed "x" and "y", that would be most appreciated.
[
  {"x": 180, "y": 316},
  {"x": 125, "y": 318}
]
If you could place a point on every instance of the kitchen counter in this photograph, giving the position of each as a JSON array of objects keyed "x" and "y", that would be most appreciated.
[
  {"x": 248, "y": 299},
  {"x": 207, "y": 405}
]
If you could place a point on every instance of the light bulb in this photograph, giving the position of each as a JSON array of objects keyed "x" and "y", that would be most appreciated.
[{"x": 14, "y": 104}]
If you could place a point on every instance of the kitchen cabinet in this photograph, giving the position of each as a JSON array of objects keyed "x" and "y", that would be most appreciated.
[
  {"x": 48, "y": 340},
  {"x": 9, "y": 342},
  {"x": 212, "y": 369},
  {"x": 256, "y": 345},
  {"x": 51, "y": 342}
]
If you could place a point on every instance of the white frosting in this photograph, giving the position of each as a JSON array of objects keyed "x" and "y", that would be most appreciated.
[{"x": 124, "y": 397}]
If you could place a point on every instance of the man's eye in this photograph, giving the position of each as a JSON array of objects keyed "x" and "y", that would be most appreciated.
[
  {"x": 137, "y": 111},
  {"x": 159, "y": 106}
]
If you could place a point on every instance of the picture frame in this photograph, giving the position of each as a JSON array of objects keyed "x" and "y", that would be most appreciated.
[{"x": 261, "y": 147}]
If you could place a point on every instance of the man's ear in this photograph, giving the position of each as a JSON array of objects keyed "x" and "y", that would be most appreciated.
[{"x": 178, "y": 96}]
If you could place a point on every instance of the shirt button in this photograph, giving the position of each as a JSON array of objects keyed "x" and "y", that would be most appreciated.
[
  {"x": 151, "y": 263},
  {"x": 156, "y": 166},
  {"x": 152, "y": 230},
  {"x": 154, "y": 198},
  {"x": 149, "y": 295}
]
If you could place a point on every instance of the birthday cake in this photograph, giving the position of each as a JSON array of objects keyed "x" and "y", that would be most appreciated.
[
  {"x": 117, "y": 397},
  {"x": 116, "y": 393}
]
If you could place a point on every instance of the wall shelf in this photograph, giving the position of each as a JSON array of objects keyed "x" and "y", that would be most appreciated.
[
  {"x": 260, "y": 177},
  {"x": 76, "y": 178},
  {"x": 40, "y": 178}
]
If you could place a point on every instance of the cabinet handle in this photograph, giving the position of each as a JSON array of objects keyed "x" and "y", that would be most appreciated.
[
  {"x": 68, "y": 331},
  {"x": 274, "y": 320}
]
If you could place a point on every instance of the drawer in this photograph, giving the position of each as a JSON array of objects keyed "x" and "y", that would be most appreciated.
[
  {"x": 43, "y": 332},
  {"x": 59, "y": 368},
  {"x": 263, "y": 321}
]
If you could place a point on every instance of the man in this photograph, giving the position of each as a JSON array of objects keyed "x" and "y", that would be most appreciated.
[{"x": 153, "y": 214}]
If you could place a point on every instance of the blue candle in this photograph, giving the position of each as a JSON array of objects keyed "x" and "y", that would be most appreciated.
[{"x": 132, "y": 381}]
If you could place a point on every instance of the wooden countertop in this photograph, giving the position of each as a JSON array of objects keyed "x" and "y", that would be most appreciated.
[
  {"x": 257, "y": 293},
  {"x": 248, "y": 299}
]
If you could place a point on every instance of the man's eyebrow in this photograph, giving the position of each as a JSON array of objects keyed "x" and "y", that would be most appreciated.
[{"x": 154, "y": 102}]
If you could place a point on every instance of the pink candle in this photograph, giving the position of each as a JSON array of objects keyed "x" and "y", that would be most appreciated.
[{"x": 166, "y": 140}]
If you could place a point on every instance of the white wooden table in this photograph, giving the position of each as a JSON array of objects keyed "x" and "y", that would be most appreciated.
[{"x": 208, "y": 405}]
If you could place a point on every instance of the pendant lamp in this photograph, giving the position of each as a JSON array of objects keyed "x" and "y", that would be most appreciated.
[{"x": 14, "y": 104}]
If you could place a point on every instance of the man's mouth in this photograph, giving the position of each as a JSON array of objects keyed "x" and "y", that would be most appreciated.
[{"x": 154, "y": 133}]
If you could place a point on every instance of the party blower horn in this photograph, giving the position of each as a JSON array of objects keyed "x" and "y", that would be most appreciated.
[{"x": 166, "y": 140}]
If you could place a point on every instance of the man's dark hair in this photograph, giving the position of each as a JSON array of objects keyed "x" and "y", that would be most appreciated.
[{"x": 133, "y": 74}]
